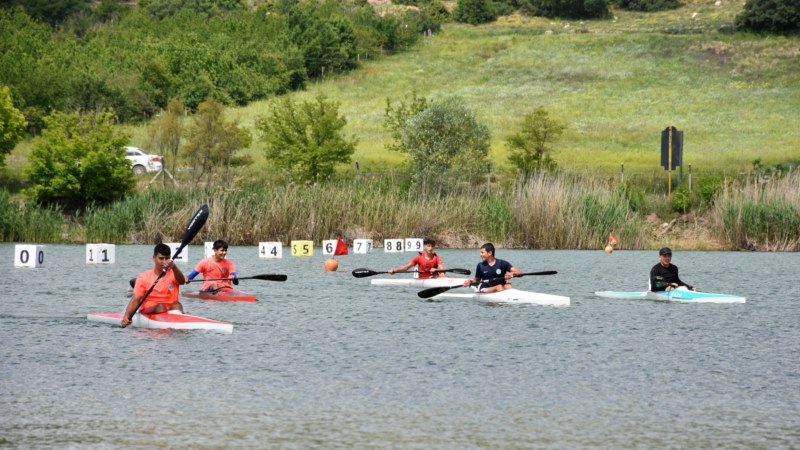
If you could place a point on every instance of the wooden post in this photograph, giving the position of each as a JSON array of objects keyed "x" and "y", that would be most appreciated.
[
  {"x": 669, "y": 161},
  {"x": 622, "y": 172}
]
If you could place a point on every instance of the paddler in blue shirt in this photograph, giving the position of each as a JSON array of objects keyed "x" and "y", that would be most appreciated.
[
  {"x": 492, "y": 274},
  {"x": 664, "y": 275}
]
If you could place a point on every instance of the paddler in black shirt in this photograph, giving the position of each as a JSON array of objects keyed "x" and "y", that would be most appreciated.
[{"x": 664, "y": 275}]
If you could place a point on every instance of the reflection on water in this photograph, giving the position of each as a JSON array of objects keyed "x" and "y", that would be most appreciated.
[{"x": 325, "y": 360}]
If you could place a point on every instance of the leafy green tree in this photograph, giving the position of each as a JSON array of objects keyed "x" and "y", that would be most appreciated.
[
  {"x": 325, "y": 38},
  {"x": 446, "y": 143},
  {"x": 167, "y": 129},
  {"x": 474, "y": 12},
  {"x": 52, "y": 12},
  {"x": 12, "y": 124},
  {"x": 530, "y": 147},
  {"x": 770, "y": 16},
  {"x": 306, "y": 139},
  {"x": 159, "y": 9},
  {"x": 395, "y": 117},
  {"x": 79, "y": 161},
  {"x": 212, "y": 144}
]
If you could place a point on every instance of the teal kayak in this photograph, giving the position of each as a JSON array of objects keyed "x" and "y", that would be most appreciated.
[{"x": 681, "y": 295}]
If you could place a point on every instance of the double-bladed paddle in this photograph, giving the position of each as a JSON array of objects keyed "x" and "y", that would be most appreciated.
[
  {"x": 361, "y": 273},
  {"x": 194, "y": 227},
  {"x": 431, "y": 292},
  {"x": 266, "y": 277}
]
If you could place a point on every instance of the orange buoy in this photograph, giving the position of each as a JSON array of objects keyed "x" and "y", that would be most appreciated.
[
  {"x": 331, "y": 265},
  {"x": 609, "y": 249}
]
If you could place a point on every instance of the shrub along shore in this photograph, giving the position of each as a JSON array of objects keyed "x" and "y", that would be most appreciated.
[{"x": 545, "y": 212}]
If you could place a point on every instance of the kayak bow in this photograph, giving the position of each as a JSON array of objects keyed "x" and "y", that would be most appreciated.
[{"x": 172, "y": 319}]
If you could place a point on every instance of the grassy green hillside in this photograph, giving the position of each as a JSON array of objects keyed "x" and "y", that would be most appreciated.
[{"x": 616, "y": 84}]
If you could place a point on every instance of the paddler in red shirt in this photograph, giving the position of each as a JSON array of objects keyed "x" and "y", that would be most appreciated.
[
  {"x": 216, "y": 266},
  {"x": 429, "y": 264},
  {"x": 165, "y": 294}
]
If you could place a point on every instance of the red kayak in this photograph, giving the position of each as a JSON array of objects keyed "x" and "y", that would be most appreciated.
[{"x": 224, "y": 295}]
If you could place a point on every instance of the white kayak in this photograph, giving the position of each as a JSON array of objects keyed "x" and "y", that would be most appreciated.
[
  {"x": 172, "y": 319},
  {"x": 508, "y": 296},
  {"x": 681, "y": 295},
  {"x": 418, "y": 282}
]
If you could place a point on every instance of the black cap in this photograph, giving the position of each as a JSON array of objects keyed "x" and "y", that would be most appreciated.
[{"x": 664, "y": 251}]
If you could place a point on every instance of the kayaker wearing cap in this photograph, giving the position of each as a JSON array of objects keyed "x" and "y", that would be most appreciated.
[
  {"x": 492, "y": 274},
  {"x": 216, "y": 266},
  {"x": 165, "y": 293},
  {"x": 664, "y": 275},
  {"x": 428, "y": 263}
]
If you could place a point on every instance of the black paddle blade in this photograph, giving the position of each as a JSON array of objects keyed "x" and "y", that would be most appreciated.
[
  {"x": 432, "y": 292},
  {"x": 194, "y": 227},
  {"x": 361, "y": 273},
  {"x": 458, "y": 271},
  {"x": 546, "y": 272},
  {"x": 269, "y": 277}
]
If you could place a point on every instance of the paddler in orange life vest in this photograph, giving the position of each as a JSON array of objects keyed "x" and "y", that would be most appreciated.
[
  {"x": 216, "y": 266},
  {"x": 165, "y": 294},
  {"x": 428, "y": 263}
]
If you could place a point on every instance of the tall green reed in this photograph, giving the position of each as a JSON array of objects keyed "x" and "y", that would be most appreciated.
[
  {"x": 761, "y": 214},
  {"x": 22, "y": 221},
  {"x": 547, "y": 211},
  {"x": 557, "y": 211}
]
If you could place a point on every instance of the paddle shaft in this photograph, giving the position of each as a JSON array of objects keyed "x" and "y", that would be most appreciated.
[
  {"x": 428, "y": 293},
  {"x": 361, "y": 273},
  {"x": 194, "y": 227},
  {"x": 266, "y": 277}
]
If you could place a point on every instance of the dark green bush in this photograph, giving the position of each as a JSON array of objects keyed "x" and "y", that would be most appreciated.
[
  {"x": 572, "y": 9},
  {"x": 770, "y": 16},
  {"x": 710, "y": 187},
  {"x": 681, "y": 200},
  {"x": 474, "y": 12},
  {"x": 647, "y": 5}
]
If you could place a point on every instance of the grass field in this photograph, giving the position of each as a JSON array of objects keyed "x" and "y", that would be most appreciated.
[{"x": 615, "y": 83}]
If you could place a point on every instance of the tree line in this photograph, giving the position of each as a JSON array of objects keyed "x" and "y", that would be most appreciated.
[{"x": 136, "y": 59}]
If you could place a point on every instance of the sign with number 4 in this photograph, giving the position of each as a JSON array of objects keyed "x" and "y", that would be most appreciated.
[{"x": 270, "y": 250}]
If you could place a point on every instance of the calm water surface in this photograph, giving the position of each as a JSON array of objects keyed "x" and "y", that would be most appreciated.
[{"x": 325, "y": 360}]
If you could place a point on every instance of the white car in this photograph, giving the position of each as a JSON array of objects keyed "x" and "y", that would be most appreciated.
[{"x": 142, "y": 162}]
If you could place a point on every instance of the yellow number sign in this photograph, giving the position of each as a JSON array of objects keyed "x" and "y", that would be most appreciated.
[{"x": 302, "y": 248}]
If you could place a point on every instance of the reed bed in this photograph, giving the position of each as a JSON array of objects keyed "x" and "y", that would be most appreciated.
[
  {"x": 761, "y": 214},
  {"x": 568, "y": 212},
  {"x": 546, "y": 212},
  {"x": 22, "y": 221}
]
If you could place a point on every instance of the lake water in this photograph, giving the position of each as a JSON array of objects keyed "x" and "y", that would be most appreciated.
[{"x": 324, "y": 360}]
